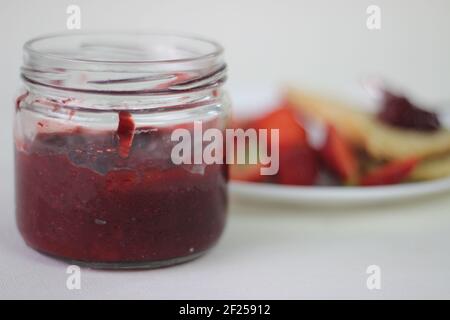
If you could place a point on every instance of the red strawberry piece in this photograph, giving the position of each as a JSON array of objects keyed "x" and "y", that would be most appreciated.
[
  {"x": 284, "y": 119},
  {"x": 298, "y": 165},
  {"x": 339, "y": 156},
  {"x": 390, "y": 173}
]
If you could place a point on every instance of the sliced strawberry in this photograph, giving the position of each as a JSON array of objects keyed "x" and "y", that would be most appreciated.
[
  {"x": 339, "y": 156},
  {"x": 284, "y": 119},
  {"x": 298, "y": 165},
  {"x": 390, "y": 173}
]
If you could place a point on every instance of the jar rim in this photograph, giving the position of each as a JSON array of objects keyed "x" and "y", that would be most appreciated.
[
  {"x": 29, "y": 45},
  {"x": 123, "y": 62}
]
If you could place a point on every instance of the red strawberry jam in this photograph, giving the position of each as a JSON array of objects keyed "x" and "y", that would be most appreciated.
[
  {"x": 398, "y": 111},
  {"x": 114, "y": 198}
]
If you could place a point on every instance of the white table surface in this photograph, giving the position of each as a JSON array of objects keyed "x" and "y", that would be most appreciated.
[{"x": 268, "y": 252}]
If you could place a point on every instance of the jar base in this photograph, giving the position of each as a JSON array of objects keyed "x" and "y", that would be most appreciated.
[{"x": 128, "y": 265}]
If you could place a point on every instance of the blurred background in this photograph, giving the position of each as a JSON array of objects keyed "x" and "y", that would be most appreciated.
[{"x": 320, "y": 44}]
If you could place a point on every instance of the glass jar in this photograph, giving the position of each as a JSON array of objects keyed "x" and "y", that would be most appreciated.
[{"x": 95, "y": 181}]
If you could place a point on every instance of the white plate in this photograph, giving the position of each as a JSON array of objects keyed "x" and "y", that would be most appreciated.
[
  {"x": 326, "y": 196},
  {"x": 251, "y": 100}
]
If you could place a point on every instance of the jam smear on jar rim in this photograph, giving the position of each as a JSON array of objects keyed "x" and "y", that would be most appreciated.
[{"x": 125, "y": 132}]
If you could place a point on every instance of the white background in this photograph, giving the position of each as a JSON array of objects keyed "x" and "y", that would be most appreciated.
[{"x": 270, "y": 252}]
